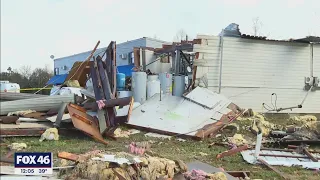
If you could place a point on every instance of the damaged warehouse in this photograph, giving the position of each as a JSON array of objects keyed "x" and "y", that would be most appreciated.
[{"x": 212, "y": 91}]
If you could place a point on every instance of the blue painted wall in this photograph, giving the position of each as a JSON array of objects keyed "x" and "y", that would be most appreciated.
[{"x": 64, "y": 64}]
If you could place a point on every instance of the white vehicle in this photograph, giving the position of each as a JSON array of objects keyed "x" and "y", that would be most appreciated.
[{"x": 6, "y": 86}]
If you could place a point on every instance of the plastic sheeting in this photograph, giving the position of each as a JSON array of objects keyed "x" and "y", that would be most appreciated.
[{"x": 57, "y": 79}]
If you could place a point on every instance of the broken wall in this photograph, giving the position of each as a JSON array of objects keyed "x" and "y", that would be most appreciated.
[
  {"x": 155, "y": 64},
  {"x": 254, "y": 69},
  {"x": 316, "y": 60}
]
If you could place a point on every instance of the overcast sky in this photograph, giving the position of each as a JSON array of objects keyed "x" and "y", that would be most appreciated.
[{"x": 32, "y": 30}]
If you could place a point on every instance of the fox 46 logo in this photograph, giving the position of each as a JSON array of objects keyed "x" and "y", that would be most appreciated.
[{"x": 33, "y": 160}]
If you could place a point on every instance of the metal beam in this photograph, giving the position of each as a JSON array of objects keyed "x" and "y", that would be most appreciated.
[
  {"x": 9, "y": 96},
  {"x": 37, "y": 104},
  {"x": 185, "y": 57},
  {"x": 60, "y": 114}
]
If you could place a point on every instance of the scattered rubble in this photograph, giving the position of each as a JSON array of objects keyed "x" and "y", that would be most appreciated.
[
  {"x": 20, "y": 113},
  {"x": 238, "y": 140},
  {"x": 50, "y": 134},
  {"x": 121, "y": 133},
  {"x": 259, "y": 119},
  {"x": 139, "y": 147},
  {"x": 125, "y": 166},
  {"x": 155, "y": 135},
  {"x": 201, "y": 175},
  {"x": 198, "y": 114},
  {"x": 17, "y": 146}
]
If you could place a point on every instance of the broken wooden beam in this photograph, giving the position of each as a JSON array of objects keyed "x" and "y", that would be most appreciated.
[
  {"x": 273, "y": 168},
  {"x": 232, "y": 151},
  {"x": 84, "y": 122},
  {"x": 68, "y": 156},
  {"x": 9, "y": 119},
  {"x": 306, "y": 152}
]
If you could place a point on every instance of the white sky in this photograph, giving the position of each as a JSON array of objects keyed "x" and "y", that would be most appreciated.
[{"x": 32, "y": 30}]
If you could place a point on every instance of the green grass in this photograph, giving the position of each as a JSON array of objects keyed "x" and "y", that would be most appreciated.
[{"x": 172, "y": 149}]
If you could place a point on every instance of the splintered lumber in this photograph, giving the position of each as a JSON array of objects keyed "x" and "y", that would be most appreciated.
[
  {"x": 68, "y": 156},
  {"x": 37, "y": 104},
  {"x": 273, "y": 168},
  {"x": 232, "y": 151}
]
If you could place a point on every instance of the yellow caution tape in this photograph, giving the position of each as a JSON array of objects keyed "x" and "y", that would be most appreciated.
[
  {"x": 31, "y": 89},
  {"x": 27, "y": 89}
]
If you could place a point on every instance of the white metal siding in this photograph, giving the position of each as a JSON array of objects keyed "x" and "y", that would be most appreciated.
[
  {"x": 254, "y": 69},
  {"x": 316, "y": 60}
]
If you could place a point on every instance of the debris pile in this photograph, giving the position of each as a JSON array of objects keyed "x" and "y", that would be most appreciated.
[
  {"x": 122, "y": 165},
  {"x": 307, "y": 121},
  {"x": 238, "y": 140},
  {"x": 259, "y": 120},
  {"x": 201, "y": 175},
  {"x": 90, "y": 100}
]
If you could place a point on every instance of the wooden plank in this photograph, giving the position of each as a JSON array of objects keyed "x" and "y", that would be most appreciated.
[
  {"x": 68, "y": 156},
  {"x": 194, "y": 76},
  {"x": 26, "y": 125},
  {"x": 306, "y": 152},
  {"x": 273, "y": 168},
  {"x": 86, "y": 123},
  {"x": 136, "y": 56},
  {"x": 74, "y": 74},
  {"x": 79, "y": 72},
  {"x": 232, "y": 151}
]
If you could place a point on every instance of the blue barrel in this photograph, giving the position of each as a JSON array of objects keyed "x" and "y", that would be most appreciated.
[{"x": 121, "y": 81}]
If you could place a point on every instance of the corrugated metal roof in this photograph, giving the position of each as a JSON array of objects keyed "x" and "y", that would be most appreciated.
[
  {"x": 248, "y": 156},
  {"x": 247, "y": 36},
  {"x": 309, "y": 39},
  {"x": 233, "y": 30}
]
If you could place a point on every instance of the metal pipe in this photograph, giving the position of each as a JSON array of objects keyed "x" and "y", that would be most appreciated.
[
  {"x": 160, "y": 92},
  {"x": 311, "y": 60},
  {"x": 9, "y": 96},
  {"x": 221, "y": 57},
  {"x": 286, "y": 156},
  {"x": 37, "y": 104},
  {"x": 173, "y": 56},
  {"x": 144, "y": 60},
  {"x": 285, "y": 150},
  {"x": 177, "y": 64}
]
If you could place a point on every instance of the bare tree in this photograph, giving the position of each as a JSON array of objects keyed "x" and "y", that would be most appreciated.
[
  {"x": 9, "y": 69},
  {"x": 25, "y": 71},
  {"x": 181, "y": 35},
  {"x": 257, "y": 25},
  {"x": 40, "y": 77}
]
